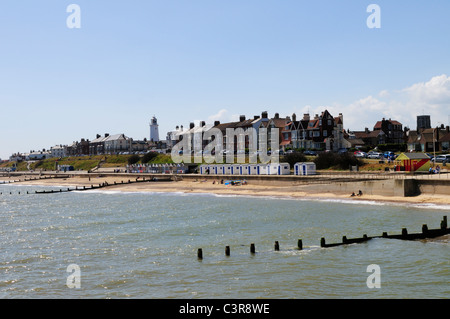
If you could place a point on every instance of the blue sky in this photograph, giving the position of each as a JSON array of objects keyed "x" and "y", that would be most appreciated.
[{"x": 190, "y": 60}]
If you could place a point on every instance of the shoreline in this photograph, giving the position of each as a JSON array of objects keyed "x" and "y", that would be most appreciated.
[{"x": 208, "y": 187}]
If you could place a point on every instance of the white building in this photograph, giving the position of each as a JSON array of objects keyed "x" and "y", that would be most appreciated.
[
  {"x": 154, "y": 134},
  {"x": 58, "y": 151},
  {"x": 117, "y": 143}
]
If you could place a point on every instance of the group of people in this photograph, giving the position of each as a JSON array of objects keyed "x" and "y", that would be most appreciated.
[
  {"x": 435, "y": 171},
  {"x": 359, "y": 193}
]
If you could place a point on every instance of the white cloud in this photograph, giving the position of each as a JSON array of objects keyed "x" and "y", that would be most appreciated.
[
  {"x": 434, "y": 92},
  {"x": 430, "y": 98}
]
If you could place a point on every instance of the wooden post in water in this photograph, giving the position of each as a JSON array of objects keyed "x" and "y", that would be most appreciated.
[
  {"x": 252, "y": 248},
  {"x": 322, "y": 242},
  {"x": 404, "y": 233},
  {"x": 344, "y": 239},
  {"x": 227, "y": 251},
  {"x": 385, "y": 234},
  {"x": 299, "y": 244},
  {"x": 424, "y": 229},
  {"x": 200, "y": 254},
  {"x": 277, "y": 246},
  {"x": 444, "y": 223}
]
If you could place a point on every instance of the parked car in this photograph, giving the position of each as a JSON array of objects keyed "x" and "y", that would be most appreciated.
[
  {"x": 374, "y": 155},
  {"x": 310, "y": 153},
  {"x": 442, "y": 158},
  {"x": 388, "y": 155},
  {"x": 361, "y": 154}
]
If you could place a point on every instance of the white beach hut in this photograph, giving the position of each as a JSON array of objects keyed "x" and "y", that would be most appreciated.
[
  {"x": 235, "y": 169},
  {"x": 244, "y": 169},
  {"x": 227, "y": 169},
  {"x": 279, "y": 169},
  {"x": 263, "y": 169},
  {"x": 305, "y": 168},
  {"x": 253, "y": 169},
  {"x": 203, "y": 169}
]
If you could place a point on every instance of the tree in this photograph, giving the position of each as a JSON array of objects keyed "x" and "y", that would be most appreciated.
[
  {"x": 133, "y": 159},
  {"x": 293, "y": 158}
]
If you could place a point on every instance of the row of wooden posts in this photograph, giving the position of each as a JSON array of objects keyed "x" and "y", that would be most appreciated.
[
  {"x": 85, "y": 188},
  {"x": 426, "y": 233}
]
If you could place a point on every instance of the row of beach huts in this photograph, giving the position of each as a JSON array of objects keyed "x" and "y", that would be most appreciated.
[
  {"x": 304, "y": 168},
  {"x": 158, "y": 168}
]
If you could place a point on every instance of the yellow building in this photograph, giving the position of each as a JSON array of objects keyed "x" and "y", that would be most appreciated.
[{"x": 413, "y": 162}]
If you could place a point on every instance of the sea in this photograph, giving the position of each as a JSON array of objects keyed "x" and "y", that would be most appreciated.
[{"x": 113, "y": 245}]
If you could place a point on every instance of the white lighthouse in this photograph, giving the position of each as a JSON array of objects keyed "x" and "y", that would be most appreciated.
[{"x": 154, "y": 135}]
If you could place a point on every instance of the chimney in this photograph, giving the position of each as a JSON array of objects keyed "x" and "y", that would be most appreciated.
[
  {"x": 316, "y": 117},
  {"x": 294, "y": 117},
  {"x": 98, "y": 136},
  {"x": 202, "y": 123},
  {"x": 191, "y": 125},
  {"x": 216, "y": 123},
  {"x": 242, "y": 118},
  {"x": 306, "y": 117},
  {"x": 106, "y": 134},
  {"x": 366, "y": 130},
  {"x": 181, "y": 128},
  {"x": 256, "y": 117},
  {"x": 264, "y": 114},
  {"x": 277, "y": 116}
]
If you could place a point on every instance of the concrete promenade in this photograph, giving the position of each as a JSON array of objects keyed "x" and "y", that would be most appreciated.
[{"x": 376, "y": 183}]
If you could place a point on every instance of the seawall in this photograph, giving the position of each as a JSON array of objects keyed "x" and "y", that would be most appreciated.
[{"x": 333, "y": 183}]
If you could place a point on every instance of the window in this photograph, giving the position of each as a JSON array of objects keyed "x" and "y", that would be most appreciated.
[{"x": 325, "y": 133}]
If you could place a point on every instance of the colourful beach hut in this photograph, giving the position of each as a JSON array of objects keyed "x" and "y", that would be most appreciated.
[{"x": 413, "y": 162}]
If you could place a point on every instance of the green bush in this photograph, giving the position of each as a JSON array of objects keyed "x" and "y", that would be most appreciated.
[
  {"x": 133, "y": 159},
  {"x": 293, "y": 158},
  {"x": 338, "y": 161},
  {"x": 148, "y": 157}
]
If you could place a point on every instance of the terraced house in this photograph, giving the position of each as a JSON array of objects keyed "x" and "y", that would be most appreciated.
[{"x": 323, "y": 132}]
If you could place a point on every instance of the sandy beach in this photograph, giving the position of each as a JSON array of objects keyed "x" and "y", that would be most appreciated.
[{"x": 215, "y": 187}]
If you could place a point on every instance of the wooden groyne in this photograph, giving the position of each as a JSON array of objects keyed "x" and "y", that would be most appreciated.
[
  {"x": 425, "y": 234},
  {"x": 102, "y": 185},
  {"x": 33, "y": 179}
]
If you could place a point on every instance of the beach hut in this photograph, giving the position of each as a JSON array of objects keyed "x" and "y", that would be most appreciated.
[
  {"x": 412, "y": 162},
  {"x": 263, "y": 169},
  {"x": 244, "y": 169},
  {"x": 235, "y": 169},
  {"x": 203, "y": 169},
  {"x": 278, "y": 169},
  {"x": 227, "y": 169},
  {"x": 214, "y": 169},
  {"x": 306, "y": 168},
  {"x": 253, "y": 169}
]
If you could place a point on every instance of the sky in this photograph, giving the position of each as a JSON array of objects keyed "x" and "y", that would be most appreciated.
[{"x": 189, "y": 60}]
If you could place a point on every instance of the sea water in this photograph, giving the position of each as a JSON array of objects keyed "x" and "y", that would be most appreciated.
[{"x": 144, "y": 245}]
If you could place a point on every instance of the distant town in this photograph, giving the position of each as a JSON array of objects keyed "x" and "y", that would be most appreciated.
[{"x": 309, "y": 133}]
